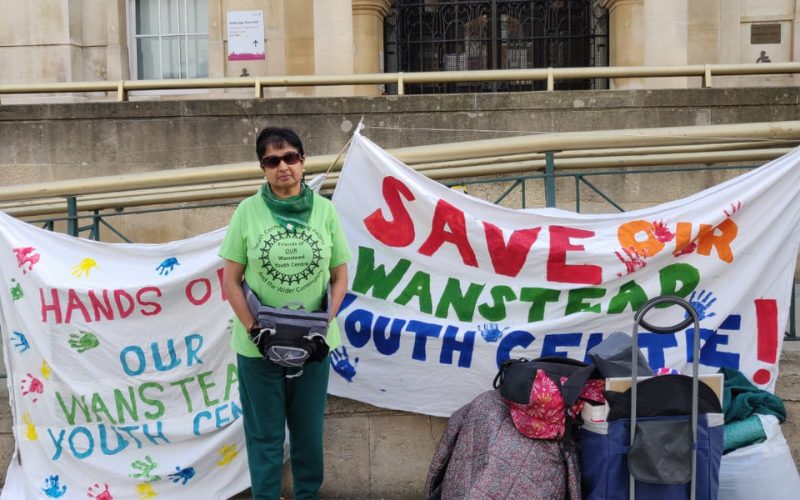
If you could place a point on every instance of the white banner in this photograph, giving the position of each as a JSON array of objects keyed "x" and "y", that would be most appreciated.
[
  {"x": 444, "y": 287},
  {"x": 121, "y": 378}
]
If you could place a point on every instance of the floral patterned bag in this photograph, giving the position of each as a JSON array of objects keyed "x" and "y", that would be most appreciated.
[{"x": 546, "y": 395}]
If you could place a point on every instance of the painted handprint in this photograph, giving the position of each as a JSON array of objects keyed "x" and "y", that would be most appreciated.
[
  {"x": 26, "y": 256},
  {"x": 167, "y": 266},
  {"x": 632, "y": 259},
  {"x": 491, "y": 332},
  {"x": 228, "y": 453},
  {"x": 52, "y": 489},
  {"x": 33, "y": 386},
  {"x": 30, "y": 429},
  {"x": 95, "y": 492},
  {"x": 701, "y": 304},
  {"x": 19, "y": 341},
  {"x": 45, "y": 370},
  {"x": 145, "y": 491},
  {"x": 82, "y": 269},
  {"x": 661, "y": 231},
  {"x": 145, "y": 467},
  {"x": 735, "y": 207},
  {"x": 16, "y": 290},
  {"x": 340, "y": 361},
  {"x": 183, "y": 475},
  {"x": 83, "y": 341},
  {"x": 687, "y": 249}
]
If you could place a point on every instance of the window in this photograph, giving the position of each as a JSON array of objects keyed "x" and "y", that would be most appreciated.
[
  {"x": 467, "y": 35},
  {"x": 170, "y": 39}
]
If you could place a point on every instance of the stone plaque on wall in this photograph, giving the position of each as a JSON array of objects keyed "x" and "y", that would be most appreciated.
[{"x": 765, "y": 33}]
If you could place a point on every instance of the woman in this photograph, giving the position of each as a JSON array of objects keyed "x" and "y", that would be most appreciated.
[{"x": 287, "y": 243}]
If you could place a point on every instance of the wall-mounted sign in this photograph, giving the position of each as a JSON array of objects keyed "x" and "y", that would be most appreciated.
[
  {"x": 765, "y": 33},
  {"x": 246, "y": 35}
]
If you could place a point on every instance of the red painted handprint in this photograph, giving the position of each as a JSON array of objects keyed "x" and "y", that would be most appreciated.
[
  {"x": 32, "y": 385},
  {"x": 661, "y": 231},
  {"x": 25, "y": 255},
  {"x": 735, "y": 207},
  {"x": 94, "y": 492},
  {"x": 632, "y": 259},
  {"x": 689, "y": 248}
]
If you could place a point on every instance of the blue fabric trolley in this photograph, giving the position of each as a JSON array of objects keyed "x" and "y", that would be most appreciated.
[{"x": 663, "y": 438}]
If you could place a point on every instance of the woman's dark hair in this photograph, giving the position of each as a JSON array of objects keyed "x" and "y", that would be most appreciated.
[{"x": 277, "y": 138}]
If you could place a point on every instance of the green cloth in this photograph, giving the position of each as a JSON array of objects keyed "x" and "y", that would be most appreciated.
[
  {"x": 285, "y": 267},
  {"x": 290, "y": 212},
  {"x": 740, "y": 433},
  {"x": 269, "y": 400},
  {"x": 742, "y": 399}
]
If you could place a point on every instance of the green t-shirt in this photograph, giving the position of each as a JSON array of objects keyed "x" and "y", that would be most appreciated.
[{"x": 284, "y": 267}]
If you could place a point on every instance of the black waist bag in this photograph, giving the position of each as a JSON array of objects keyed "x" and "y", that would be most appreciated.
[{"x": 288, "y": 337}]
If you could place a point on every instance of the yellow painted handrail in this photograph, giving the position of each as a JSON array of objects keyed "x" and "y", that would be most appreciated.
[{"x": 549, "y": 75}]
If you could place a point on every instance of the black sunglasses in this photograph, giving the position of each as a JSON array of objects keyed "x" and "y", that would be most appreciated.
[{"x": 289, "y": 158}]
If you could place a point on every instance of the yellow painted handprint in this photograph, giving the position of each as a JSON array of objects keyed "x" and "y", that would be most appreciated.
[
  {"x": 145, "y": 491},
  {"x": 45, "y": 369},
  {"x": 228, "y": 453},
  {"x": 30, "y": 429},
  {"x": 82, "y": 270}
]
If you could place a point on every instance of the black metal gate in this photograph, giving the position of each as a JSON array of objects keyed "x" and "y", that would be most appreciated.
[{"x": 453, "y": 35}]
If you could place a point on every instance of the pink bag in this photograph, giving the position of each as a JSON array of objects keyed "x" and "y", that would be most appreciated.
[{"x": 545, "y": 414}]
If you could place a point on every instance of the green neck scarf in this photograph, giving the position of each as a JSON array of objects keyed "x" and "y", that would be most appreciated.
[{"x": 290, "y": 212}]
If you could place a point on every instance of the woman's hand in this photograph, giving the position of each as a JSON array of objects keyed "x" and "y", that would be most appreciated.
[
  {"x": 338, "y": 289},
  {"x": 232, "y": 273}
]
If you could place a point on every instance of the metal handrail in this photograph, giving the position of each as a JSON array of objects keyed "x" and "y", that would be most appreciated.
[
  {"x": 401, "y": 79},
  {"x": 486, "y": 148},
  {"x": 241, "y": 188}
]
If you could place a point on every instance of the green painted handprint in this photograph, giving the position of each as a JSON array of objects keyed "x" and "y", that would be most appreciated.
[
  {"x": 83, "y": 341},
  {"x": 16, "y": 290},
  {"x": 146, "y": 466}
]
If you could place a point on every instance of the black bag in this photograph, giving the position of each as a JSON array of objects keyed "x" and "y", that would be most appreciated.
[
  {"x": 515, "y": 378},
  {"x": 288, "y": 337}
]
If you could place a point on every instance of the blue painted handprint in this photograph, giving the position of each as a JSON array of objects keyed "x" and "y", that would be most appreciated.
[
  {"x": 183, "y": 475},
  {"x": 167, "y": 266},
  {"x": 52, "y": 489},
  {"x": 702, "y": 303},
  {"x": 340, "y": 361},
  {"x": 19, "y": 341},
  {"x": 491, "y": 332}
]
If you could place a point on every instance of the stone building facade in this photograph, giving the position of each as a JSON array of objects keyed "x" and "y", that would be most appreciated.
[{"x": 96, "y": 40}]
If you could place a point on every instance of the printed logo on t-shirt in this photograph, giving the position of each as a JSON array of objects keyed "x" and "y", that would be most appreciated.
[{"x": 290, "y": 259}]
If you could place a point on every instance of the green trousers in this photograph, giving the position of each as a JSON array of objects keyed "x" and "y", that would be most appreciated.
[{"x": 269, "y": 402}]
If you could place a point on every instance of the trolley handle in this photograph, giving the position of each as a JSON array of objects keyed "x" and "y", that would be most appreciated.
[
  {"x": 691, "y": 316},
  {"x": 639, "y": 319}
]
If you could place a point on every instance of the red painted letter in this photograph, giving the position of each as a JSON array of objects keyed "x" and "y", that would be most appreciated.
[
  {"x": 399, "y": 232},
  {"x": 557, "y": 268},
  {"x": 448, "y": 215},
  {"x": 55, "y": 307},
  {"x": 509, "y": 259}
]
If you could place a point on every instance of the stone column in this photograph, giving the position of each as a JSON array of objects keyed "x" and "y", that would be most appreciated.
[
  {"x": 796, "y": 39},
  {"x": 626, "y": 38},
  {"x": 368, "y": 16},
  {"x": 333, "y": 43},
  {"x": 666, "y": 24},
  {"x": 117, "y": 59}
]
